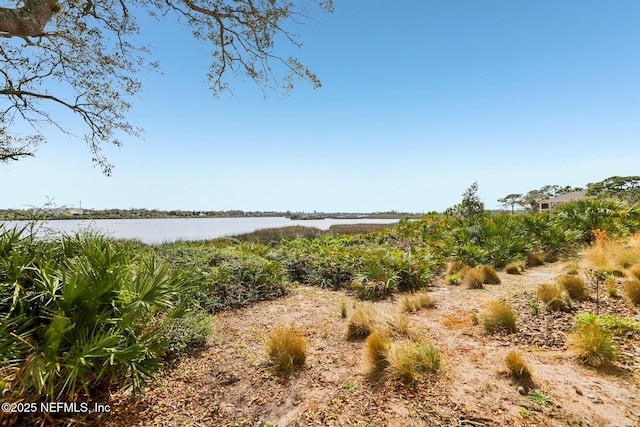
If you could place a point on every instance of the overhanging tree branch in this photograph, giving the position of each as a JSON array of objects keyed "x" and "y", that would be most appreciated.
[{"x": 81, "y": 56}]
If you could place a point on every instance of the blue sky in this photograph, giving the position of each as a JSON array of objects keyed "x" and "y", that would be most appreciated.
[{"x": 419, "y": 99}]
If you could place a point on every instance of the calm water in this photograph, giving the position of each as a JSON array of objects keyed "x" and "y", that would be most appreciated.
[{"x": 155, "y": 231}]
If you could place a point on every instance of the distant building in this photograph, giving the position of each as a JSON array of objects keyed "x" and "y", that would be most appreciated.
[
  {"x": 66, "y": 211},
  {"x": 550, "y": 204}
]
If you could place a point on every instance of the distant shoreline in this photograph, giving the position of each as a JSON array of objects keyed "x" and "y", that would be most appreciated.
[{"x": 87, "y": 214}]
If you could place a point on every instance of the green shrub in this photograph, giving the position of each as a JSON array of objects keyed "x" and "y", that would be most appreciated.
[
  {"x": 246, "y": 279},
  {"x": 79, "y": 314},
  {"x": 367, "y": 288},
  {"x": 455, "y": 278},
  {"x": 186, "y": 335},
  {"x": 617, "y": 325},
  {"x": 343, "y": 309},
  {"x": 538, "y": 397},
  {"x": 225, "y": 277}
]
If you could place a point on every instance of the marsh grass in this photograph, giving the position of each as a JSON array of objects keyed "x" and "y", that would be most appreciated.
[
  {"x": 358, "y": 228},
  {"x": 592, "y": 344},
  {"x": 267, "y": 235},
  {"x": 553, "y": 296},
  {"x": 575, "y": 287},
  {"x": 287, "y": 349},
  {"x": 499, "y": 316}
]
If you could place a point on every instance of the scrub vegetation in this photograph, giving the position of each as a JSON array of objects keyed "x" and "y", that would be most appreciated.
[{"x": 84, "y": 315}]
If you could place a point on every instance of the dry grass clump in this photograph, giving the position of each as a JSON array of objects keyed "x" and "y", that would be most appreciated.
[
  {"x": 534, "y": 259},
  {"x": 287, "y": 348},
  {"x": 515, "y": 268},
  {"x": 455, "y": 271},
  {"x": 410, "y": 361},
  {"x": 376, "y": 348},
  {"x": 612, "y": 287},
  {"x": 401, "y": 326},
  {"x": 365, "y": 320},
  {"x": 614, "y": 256},
  {"x": 417, "y": 302},
  {"x": 632, "y": 291},
  {"x": 572, "y": 268},
  {"x": 473, "y": 278},
  {"x": 553, "y": 296},
  {"x": 592, "y": 344},
  {"x": 635, "y": 271},
  {"x": 455, "y": 266},
  {"x": 489, "y": 275},
  {"x": 575, "y": 287},
  {"x": 518, "y": 368},
  {"x": 499, "y": 316}
]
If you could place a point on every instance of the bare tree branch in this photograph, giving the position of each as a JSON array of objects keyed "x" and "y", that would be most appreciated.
[{"x": 81, "y": 56}]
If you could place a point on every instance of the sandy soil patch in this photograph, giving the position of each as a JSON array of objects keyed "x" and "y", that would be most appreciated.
[{"x": 232, "y": 384}]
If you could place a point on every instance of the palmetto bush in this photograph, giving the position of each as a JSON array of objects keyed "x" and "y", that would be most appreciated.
[
  {"x": 77, "y": 314},
  {"x": 608, "y": 215}
]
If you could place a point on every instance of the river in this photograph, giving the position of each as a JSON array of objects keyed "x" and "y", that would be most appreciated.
[{"x": 162, "y": 230}]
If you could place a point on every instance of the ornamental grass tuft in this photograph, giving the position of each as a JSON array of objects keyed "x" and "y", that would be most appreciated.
[{"x": 287, "y": 349}]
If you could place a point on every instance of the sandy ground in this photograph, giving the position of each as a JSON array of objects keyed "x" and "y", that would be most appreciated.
[{"x": 231, "y": 382}]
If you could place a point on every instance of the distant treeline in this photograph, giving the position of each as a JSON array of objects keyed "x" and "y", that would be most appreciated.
[{"x": 78, "y": 213}]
